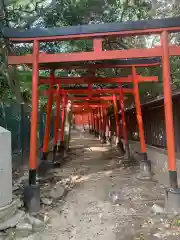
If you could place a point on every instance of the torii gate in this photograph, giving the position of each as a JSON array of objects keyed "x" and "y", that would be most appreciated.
[
  {"x": 92, "y": 79},
  {"x": 97, "y": 33}
]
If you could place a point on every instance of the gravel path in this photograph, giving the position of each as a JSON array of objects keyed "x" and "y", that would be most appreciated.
[{"x": 105, "y": 200}]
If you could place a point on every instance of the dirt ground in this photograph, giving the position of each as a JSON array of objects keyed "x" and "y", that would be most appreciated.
[{"x": 103, "y": 199}]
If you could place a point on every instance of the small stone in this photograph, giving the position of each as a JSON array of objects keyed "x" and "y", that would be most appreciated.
[
  {"x": 10, "y": 234},
  {"x": 46, "y": 201},
  {"x": 157, "y": 209},
  {"x": 35, "y": 222},
  {"x": 23, "y": 229},
  {"x": 158, "y": 235},
  {"x": 2, "y": 235},
  {"x": 13, "y": 221},
  {"x": 57, "y": 192},
  {"x": 167, "y": 225},
  {"x": 23, "y": 226},
  {"x": 46, "y": 218},
  {"x": 15, "y": 188},
  {"x": 19, "y": 203},
  {"x": 115, "y": 197},
  {"x": 161, "y": 220}
]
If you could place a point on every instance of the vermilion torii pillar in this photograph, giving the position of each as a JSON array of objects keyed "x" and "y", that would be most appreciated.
[
  {"x": 32, "y": 191},
  {"x": 89, "y": 122},
  {"x": 145, "y": 164},
  {"x": 48, "y": 120},
  {"x": 100, "y": 122},
  {"x": 106, "y": 126},
  {"x": 169, "y": 119},
  {"x": 56, "y": 124},
  {"x": 103, "y": 125},
  {"x": 118, "y": 137},
  {"x": 92, "y": 120},
  {"x": 62, "y": 146},
  {"x": 95, "y": 123},
  {"x": 125, "y": 133}
]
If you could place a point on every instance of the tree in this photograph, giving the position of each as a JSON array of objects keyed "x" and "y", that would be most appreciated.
[{"x": 38, "y": 13}]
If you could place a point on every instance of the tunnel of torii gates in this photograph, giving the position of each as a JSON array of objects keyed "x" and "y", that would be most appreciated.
[{"x": 101, "y": 58}]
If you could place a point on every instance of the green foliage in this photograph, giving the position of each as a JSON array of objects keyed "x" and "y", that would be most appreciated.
[{"x": 32, "y": 13}]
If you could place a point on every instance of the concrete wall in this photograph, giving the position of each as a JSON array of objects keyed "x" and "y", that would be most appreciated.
[
  {"x": 5, "y": 168},
  {"x": 159, "y": 161}
]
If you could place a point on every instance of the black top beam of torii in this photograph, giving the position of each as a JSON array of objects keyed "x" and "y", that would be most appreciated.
[
  {"x": 101, "y": 64},
  {"x": 93, "y": 28}
]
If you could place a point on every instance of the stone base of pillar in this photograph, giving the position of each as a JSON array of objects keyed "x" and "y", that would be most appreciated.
[
  {"x": 120, "y": 147},
  {"x": 108, "y": 141},
  {"x": 127, "y": 155},
  {"x": 103, "y": 139},
  {"x": 32, "y": 198},
  {"x": 61, "y": 147},
  {"x": 44, "y": 156},
  {"x": 44, "y": 167},
  {"x": 173, "y": 181},
  {"x": 145, "y": 167},
  {"x": 54, "y": 152},
  {"x": 172, "y": 200},
  {"x": 55, "y": 163},
  {"x": 96, "y": 134},
  {"x": 61, "y": 152}
]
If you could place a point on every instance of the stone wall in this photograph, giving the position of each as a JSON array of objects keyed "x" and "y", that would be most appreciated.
[{"x": 159, "y": 161}]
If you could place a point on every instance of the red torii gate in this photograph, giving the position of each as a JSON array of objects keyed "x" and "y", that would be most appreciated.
[
  {"x": 89, "y": 91},
  {"x": 161, "y": 27},
  {"x": 97, "y": 120},
  {"x": 64, "y": 92},
  {"x": 94, "y": 79}
]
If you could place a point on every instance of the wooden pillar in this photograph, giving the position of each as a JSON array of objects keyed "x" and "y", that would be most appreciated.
[
  {"x": 89, "y": 122},
  {"x": 64, "y": 103},
  {"x": 31, "y": 192},
  {"x": 104, "y": 124},
  {"x": 116, "y": 119},
  {"x": 56, "y": 122},
  {"x": 68, "y": 123},
  {"x": 145, "y": 164},
  {"x": 94, "y": 122},
  {"x": 100, "y": 122},
  {"x": 119, "y": 144},
  {"x": 124, "y": 127},
  {"x": 34, "y": 116},
  {"x": 139, "y": 114},
  {"x": 48, "y": 120},
  {"x": 168, "y": 112},
  {"x": 106, "y": 120},
  {"x": 79, "y": 121}
]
